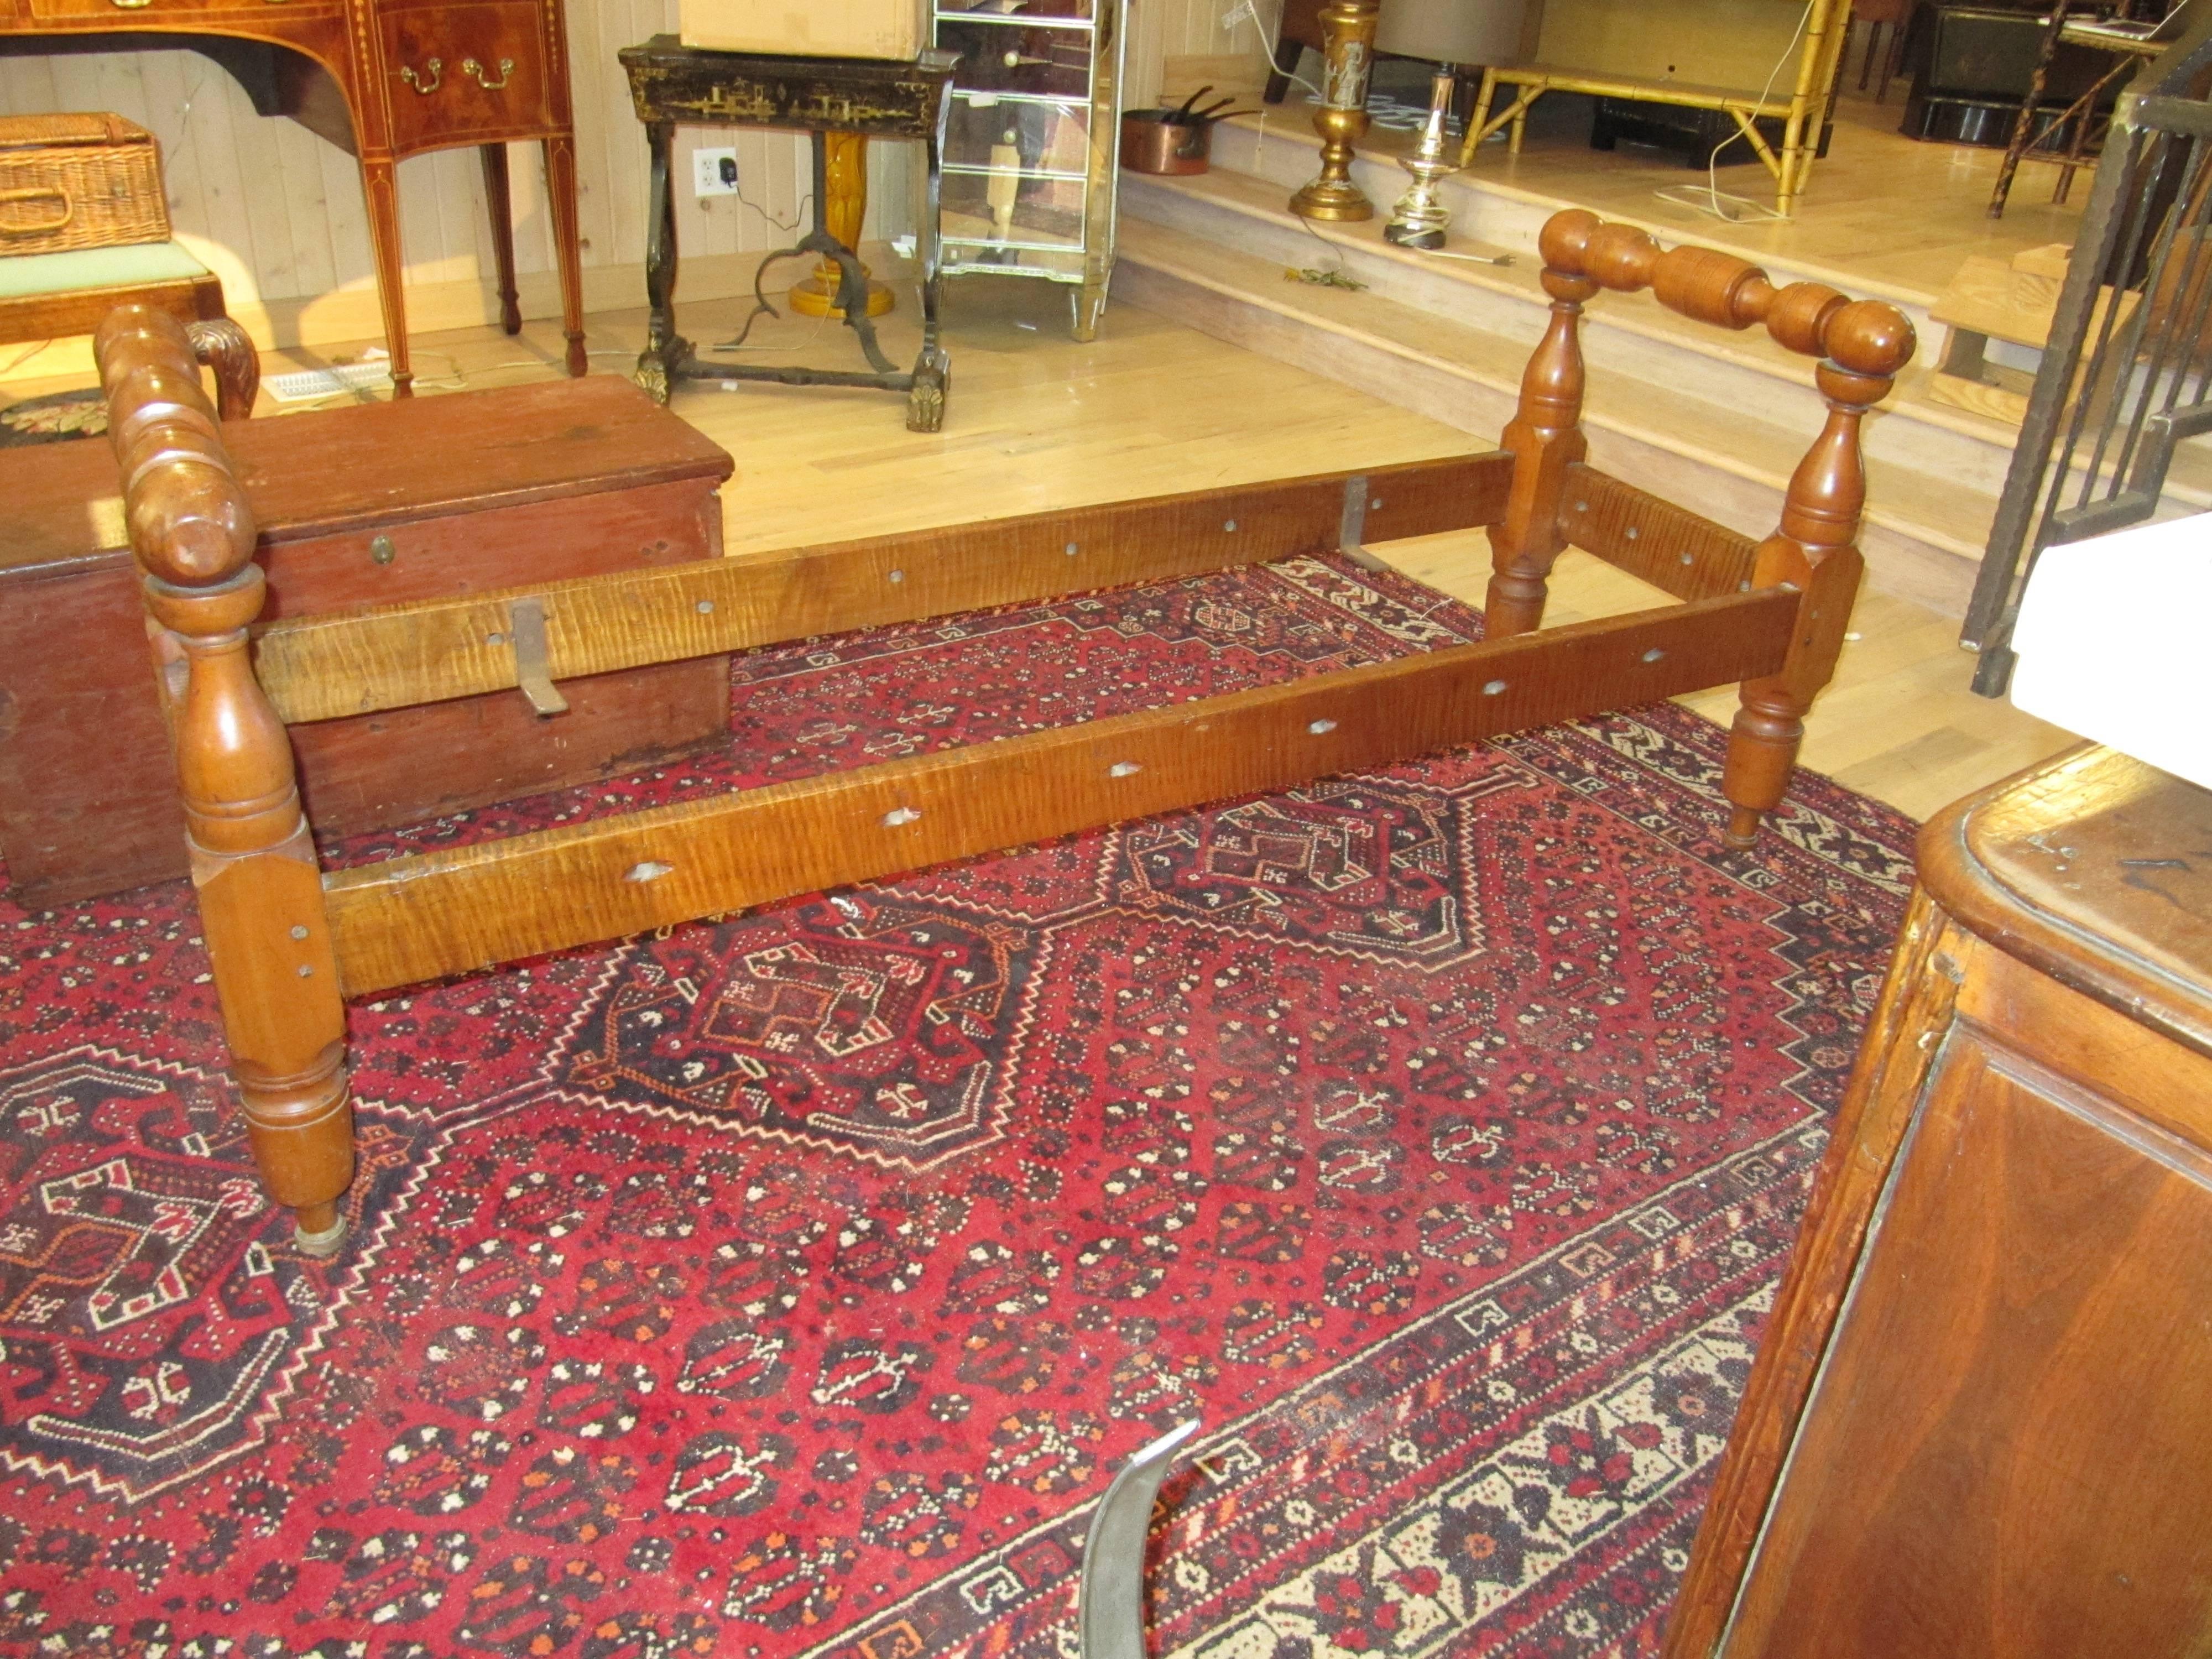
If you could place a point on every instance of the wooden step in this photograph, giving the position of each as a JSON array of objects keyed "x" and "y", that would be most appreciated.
[
  {"x": 1924, "y": 531},
  {"x": 1243, "y": 203},
  {"x": 1282, "y": 148},
  {"x": 1630, "y": 334}
]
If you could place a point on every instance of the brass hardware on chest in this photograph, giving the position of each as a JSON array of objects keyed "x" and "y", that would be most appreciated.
[
  {"x": 380, "y": 550},
  {"x": 437, "y": 72},
  {"x": 482, "y": 76},
  {"x": 526, "y": 628},
  {"x": 130, "y": 5}
]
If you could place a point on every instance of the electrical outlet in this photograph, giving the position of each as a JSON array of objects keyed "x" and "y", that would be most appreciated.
[{"x": 715, "y": 172}]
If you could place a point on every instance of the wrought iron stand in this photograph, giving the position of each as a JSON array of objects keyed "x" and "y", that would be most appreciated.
[{"x": 673, "y": 85}]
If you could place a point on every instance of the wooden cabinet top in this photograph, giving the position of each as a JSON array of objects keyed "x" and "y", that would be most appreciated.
[
  {"x": 2097, "y": 870},
  {"x": 357, "y": 469}
]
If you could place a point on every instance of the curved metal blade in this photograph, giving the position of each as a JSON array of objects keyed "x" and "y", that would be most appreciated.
[{"x": 1111, "y": 1599}]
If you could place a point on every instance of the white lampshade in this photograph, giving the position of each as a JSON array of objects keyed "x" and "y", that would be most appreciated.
[{"x": 1452, "y": 31}]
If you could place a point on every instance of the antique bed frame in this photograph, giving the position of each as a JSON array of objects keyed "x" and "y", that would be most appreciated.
[{"x": 288, "y": 943}]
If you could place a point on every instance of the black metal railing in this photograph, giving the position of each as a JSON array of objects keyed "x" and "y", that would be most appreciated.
[{"x": 2127, "y": 374}]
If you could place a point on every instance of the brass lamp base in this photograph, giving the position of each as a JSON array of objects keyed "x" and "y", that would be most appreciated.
[
  {"x": 1332, "y": 199},
  {"x": 1348, "y": 29},
  {"x": 817, "y": 298}
]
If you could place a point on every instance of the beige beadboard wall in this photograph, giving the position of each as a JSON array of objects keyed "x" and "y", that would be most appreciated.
[{"x": 277, "y": 212}]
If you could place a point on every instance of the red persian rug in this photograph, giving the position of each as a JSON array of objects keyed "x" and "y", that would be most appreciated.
[{"x": 792, "y": 1282}]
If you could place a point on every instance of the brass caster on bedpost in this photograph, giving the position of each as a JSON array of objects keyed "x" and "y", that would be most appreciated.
[{"x": 301, "y": 1131}]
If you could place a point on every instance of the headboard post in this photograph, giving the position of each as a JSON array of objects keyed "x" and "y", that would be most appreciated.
[
  {"x": 1862, "y": 345},
  {"x": 1545, "y": 438},
  {"x": 252, "y": 859}
]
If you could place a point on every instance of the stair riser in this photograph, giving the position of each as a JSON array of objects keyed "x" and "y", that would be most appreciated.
[
  {"x": 1617, "y": 356},
  {"x": 1898, "y": 562}
]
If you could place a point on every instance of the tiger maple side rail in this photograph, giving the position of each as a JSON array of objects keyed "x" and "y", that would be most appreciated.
[
  {"x": 252, "y": 860},
  {"x": 326, "y": 667},
  {"x": 1861, "y": 345},
  {"x": 417, "y": 918}
]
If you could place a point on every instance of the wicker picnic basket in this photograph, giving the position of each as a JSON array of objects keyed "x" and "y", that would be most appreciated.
[{"x": 72, "y": 181}]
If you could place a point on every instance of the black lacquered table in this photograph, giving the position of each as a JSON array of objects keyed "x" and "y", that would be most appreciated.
[{"x": 674, "y": 85}]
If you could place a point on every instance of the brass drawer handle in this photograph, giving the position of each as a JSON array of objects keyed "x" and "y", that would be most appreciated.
[
  {"x": 130, "y": 5},
  {"x": 407, "y": 73},
  {"x": 475, "y": 72}
]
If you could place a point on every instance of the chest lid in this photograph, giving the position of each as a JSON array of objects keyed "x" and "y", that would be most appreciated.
[{"x": 2097, "y": 868}]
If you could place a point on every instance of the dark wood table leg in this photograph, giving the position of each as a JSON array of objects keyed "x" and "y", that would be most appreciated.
[
  {"x": 379, "y": 186},
  {"x": 663, "y": 349},
  {"x": 932, "y": 370},
  {"x": 500, "y": 203},
  {"x": 1286, "y": 65},
  {"x": 2023, "y": 126},
  {"x": 560, "y": 200}
]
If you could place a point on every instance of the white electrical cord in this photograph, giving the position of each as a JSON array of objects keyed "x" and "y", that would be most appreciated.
[
  {"x": 1688, "y": 195},
  {"x": 1270, "y": 43}
]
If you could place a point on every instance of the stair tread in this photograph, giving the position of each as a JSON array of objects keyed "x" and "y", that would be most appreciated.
[
  {"x": 1939, "y": 510},
  {"x": 1271, "y": 133},
  {"x": 1262, "y": 201}
]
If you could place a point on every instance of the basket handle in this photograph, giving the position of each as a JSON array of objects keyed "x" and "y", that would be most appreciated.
[{"x": 37, "y": 193}]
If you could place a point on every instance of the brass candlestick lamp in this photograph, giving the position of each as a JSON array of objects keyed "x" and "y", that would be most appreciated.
[
  {"x": 1418, "y": 219},
  {"x": 1348, "y": 27}
]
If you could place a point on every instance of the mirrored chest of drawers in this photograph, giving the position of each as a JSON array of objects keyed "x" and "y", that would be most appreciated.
[{"x": 1034, "y": 142}]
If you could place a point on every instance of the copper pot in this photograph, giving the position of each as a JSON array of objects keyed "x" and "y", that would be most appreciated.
[{"x": 1152, "y": 143}]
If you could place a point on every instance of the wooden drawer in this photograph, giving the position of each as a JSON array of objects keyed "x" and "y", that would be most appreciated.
[
  {"x": 118, "y": 13},
  {"x": 457, "y": 72}
]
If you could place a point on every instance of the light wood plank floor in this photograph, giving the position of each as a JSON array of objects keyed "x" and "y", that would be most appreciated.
[{"x": 1151, "y": 407}]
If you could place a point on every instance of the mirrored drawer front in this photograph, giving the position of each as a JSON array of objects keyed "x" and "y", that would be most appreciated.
[
  {"x": 1005, "y": 57},
  {"x": 1063, "y": 265},
  {"x": 984, "y": 209},
  {"x": 1008, "y": 134}
]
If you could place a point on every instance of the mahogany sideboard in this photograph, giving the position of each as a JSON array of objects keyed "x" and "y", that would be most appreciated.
[
  {"x": 383, "y": 80},
  {"x": 355, "y": 507},
  {"x": 1980, "y": 1423}
]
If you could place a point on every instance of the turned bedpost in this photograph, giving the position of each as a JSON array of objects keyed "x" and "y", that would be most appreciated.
[
  {"x": 252, "y": 859},
  {"x": 1862, "y": 344},
  {"x": 1545, "y": 438}
]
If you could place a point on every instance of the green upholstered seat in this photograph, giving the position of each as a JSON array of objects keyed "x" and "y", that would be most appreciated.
[{"x": 134, "y": 265}]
